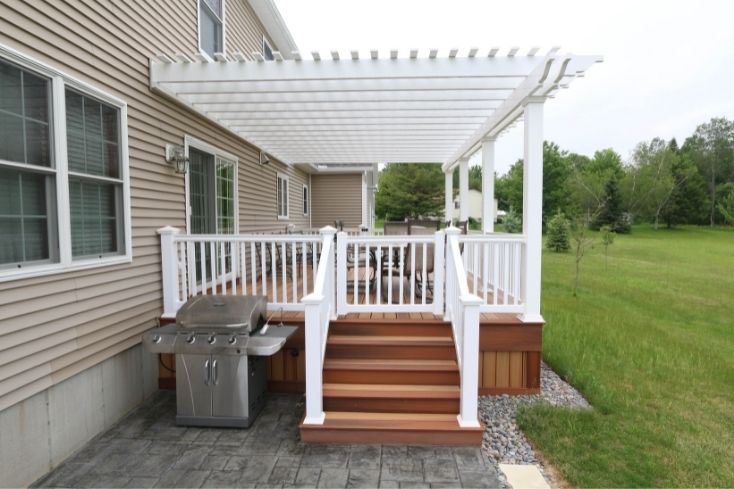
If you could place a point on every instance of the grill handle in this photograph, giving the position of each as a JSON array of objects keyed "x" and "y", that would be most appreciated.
[
  {"x": 215, "y": 368},
  {"x": 207, "y": 373}
]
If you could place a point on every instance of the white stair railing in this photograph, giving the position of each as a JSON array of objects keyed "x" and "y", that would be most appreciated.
[
  {"x": 390, "y": 273},
  {"x": 462, "y": 309},
  {"x": 279, "y": 266},
  {"x": 493, "y": 264},
  {"x": 320, "y": 309}
]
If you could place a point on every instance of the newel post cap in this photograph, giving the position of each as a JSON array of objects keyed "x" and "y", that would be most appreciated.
[
  {"x": 327, "y": 230},
  {"x": 168, "y": 230}
]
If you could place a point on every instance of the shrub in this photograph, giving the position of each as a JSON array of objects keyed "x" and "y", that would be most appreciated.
[
  {"x": 558, "y": 233},
  {"x": 513, "y": 222}
]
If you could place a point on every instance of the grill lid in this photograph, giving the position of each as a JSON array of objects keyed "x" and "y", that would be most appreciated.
[{"x": 222, "y": 312}]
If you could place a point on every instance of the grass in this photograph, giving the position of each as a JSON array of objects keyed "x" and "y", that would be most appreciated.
[{"x": 650, "y": 342}]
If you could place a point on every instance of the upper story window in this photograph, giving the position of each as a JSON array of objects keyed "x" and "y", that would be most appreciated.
[
  {"x": 211, "y": 26},
  {"x": 63, "y": 172},
  {"x": 267, "y": 50},
  {"x": 281, "y": 196},
  {"x": 305, "y": 200}
]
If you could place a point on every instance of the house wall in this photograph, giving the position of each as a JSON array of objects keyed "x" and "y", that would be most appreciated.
[
  {"x": 57, "y": 326},
  {"x": 336, "y": 196}
]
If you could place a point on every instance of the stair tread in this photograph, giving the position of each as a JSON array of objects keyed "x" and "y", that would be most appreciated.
[
  {"x": 394, "y": 391},
  {"x": 390, "y": 364},
  {"x": 390, "y": 340},
  {"x": 391, "y": 422}
]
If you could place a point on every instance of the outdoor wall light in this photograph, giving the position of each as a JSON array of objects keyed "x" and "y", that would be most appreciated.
[
  {"x": 264, "y": 158},
  {"x": 176, "y": 155}
]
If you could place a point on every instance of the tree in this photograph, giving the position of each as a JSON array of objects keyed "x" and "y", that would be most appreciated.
[
  {"x": 475, "y": 178},
  {"x": 610, "y": 213},
  {"x": 589, "y": 177},
  {"x": 607, "y": 239},
  {"x": 688, "y": 201},
  {"x": 513, "y": 222},
  {"x": 410, "y": 191},
  {"x": 581, "y": 243},
  {"x": 726, "y": 206},
  {"x": 556, "y": 171},
  {"x": 558, "y": 231},
  {"x": 711, "y": 148}
]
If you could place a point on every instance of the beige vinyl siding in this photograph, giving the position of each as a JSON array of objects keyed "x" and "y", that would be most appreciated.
[
  {"x": 55, "y": 326},
  {"x": 336, "y": 196}
]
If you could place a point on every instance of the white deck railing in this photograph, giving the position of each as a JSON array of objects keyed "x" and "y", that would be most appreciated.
[
  {"x": 280, "y": 266},
  {"x": 390, "y": 273},
  {"x": 462, "y": 309},
  {"x": 320, "y": 309},
  {"x": 493, "y": 263}
]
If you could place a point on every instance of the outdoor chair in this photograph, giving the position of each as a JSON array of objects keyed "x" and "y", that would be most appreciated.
[{"x": 420, "y": 271}]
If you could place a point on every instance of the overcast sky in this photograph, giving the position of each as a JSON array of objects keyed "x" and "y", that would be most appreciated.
[{"x": 668, "y": 66}]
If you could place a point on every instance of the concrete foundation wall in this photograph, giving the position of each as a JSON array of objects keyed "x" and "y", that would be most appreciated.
[{"x": 38, "y": 433}]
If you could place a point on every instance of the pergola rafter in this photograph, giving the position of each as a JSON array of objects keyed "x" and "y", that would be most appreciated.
[{"x": 340, "y": 108}]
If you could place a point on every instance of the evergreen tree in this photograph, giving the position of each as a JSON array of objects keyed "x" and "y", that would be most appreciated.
[
  {"x": 513, "y": 222},
  {"x": 611, "y": 213},
  {"x": 410, "y": 190},
  {"x": 558, "y": 234}
]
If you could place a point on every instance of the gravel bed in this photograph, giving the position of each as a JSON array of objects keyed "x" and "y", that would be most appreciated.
[{"x": 503, "y": 441}]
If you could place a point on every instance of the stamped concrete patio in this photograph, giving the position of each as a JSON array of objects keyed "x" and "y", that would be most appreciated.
[{"x": 146, "y": 449}]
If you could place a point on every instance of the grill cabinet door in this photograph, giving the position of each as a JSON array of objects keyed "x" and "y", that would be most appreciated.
[
  {"x": 193, "y": 389},
  {"x": 229, "y": 386}
]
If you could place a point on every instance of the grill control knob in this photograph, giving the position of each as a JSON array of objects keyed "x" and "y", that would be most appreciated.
[
  {"x": 190, "y": 339},
  {"x": 211, "y": 339},
  {"x": 232, "y": 340},
  {"x": 156, "y": 338}
]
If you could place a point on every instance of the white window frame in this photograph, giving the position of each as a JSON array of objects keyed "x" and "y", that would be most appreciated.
[
  {"x": 59, "y": 82},
  {"x": 307, "y": 200},
  {"x": 278, "y": 177},
  {"x": 192, "y": 142},
  {"x": 198, "y": 29}
]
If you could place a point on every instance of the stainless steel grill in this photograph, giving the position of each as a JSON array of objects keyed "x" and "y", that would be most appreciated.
[{"x": 220, "y": 343}]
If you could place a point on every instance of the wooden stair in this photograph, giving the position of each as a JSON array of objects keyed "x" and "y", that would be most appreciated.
[{"x": 391, "y": 381}]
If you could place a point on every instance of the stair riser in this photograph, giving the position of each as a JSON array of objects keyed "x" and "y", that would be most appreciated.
[
  {"x": 382, "y": 329},
  {"x": 349, "y": 376},
  {"x": 354, "y": 404},
  {"x": 408, "y": 352},
  {"x": 391, "y": 436}
]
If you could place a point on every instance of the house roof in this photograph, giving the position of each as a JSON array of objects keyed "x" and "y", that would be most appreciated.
[
  {"x": 275, "y": 26},
  {"x": 350, "y": 109}
]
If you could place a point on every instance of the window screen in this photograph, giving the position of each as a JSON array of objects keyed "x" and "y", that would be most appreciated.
[{"x": 95, "y": 187}]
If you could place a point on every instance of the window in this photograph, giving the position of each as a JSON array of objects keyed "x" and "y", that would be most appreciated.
[
  {"x": 211, "y": 26},
  {"x": 64, "y": 197},
  {"x": 95, "y": 186},
  {"x": 281, "y": 196},
  {"x": 305, "y": 200},
  {"x": 27, "y": 173},
  {"x": 267, "y": 50}
]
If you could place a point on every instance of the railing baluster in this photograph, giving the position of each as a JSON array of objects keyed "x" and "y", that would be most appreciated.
[
  {"x": 202, "y": 265},
  {"x": 475, "y": 268},
  {"x": 378, "y": 277},
  {"x": 424, "y": 274},
  {"x": 389, "y": 275},
  {"x": 253, "y": 267},
  {"x": 412, "y": 273},
  {"x": 223, "y": 267},
  {"x": 506, "y": 266},
  {"x": 496, "y": 274},
  {"x": 368, "y": 262},
  {"x": 263, "y": 269},
  {"x": 355, "y": 272},
  {"x": 212, "y": 266},
  {"x": 191, "y": 257},
  {"x": 274, "y": 267},
  {"x": 242, "y": 250},
  {"x": 304, "y": 265},
  {"x": 283, "y": 270},
  {"x": 401, "y": 275}
]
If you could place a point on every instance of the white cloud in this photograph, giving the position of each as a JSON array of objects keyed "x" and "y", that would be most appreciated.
[{"x": 668, "y": 66}]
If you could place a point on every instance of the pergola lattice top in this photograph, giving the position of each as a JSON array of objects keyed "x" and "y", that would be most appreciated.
[{"x": 357, "y": 111}]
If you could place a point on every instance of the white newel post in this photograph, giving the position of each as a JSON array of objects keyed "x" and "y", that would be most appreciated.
[
  {"x": 312, "y": 343},
  {"x": 449, "y": 199},
  {"x": 169, "y": 271},
  {"x": 488, "y": 186},
  {"x": 341, "y": 273},
  {"x": 470, "y": 363},
  {"x": 439, "y": 259},
  {"x": 463, "y": 189},
  {"x": 532, "y": 211}
]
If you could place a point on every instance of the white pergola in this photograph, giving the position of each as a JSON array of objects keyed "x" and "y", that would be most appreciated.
[{"x": 345, "y": 108}]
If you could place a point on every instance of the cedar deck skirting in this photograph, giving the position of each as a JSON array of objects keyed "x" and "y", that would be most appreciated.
[{"x": 509, "y": 360}]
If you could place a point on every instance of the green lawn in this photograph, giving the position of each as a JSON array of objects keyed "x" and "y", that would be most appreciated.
[{"x": 650, "y": 342}]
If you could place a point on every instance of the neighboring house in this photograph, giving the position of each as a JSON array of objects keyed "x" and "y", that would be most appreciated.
[
  {"x": 474, "y": 205},
  {"x": 128, "y": 128}
]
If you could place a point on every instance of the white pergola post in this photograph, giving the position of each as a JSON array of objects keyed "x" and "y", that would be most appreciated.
[
  {"x": 532, "y": 210},
  {"x": 449, "y": 189},
  {"x": 488, "y": 185},
  {"x": 464, "y": 189}
]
